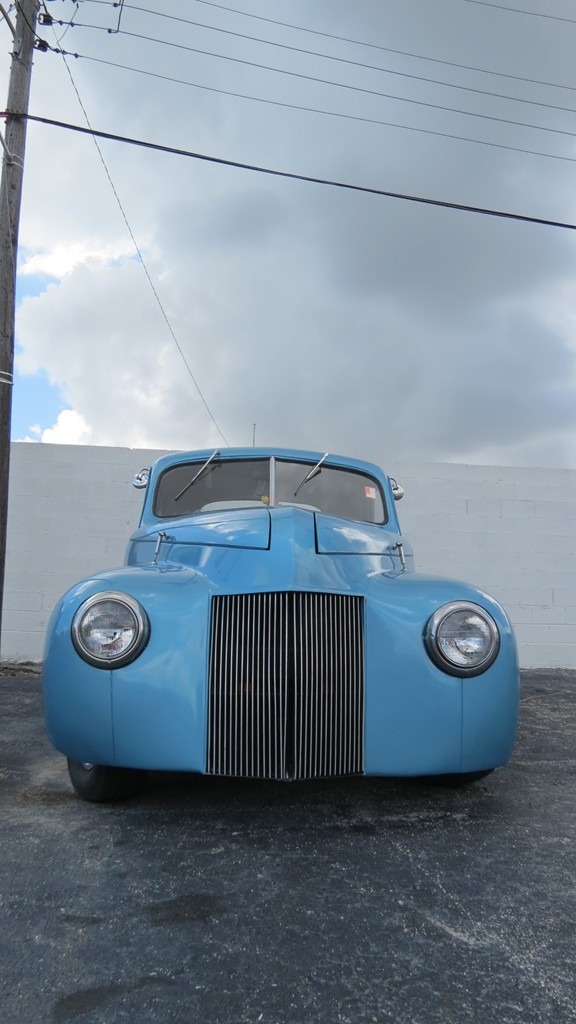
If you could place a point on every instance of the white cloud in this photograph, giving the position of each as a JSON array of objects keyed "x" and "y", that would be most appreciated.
[
  {"x": 331, "y": 319},
  {"x": 62, "y": 259},
  {"x": 70, "y": 428}
]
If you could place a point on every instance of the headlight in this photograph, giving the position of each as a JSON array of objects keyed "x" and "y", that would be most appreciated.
[
  {"x": 462, "y": 638},
  {"x": 110, "y": 630}
]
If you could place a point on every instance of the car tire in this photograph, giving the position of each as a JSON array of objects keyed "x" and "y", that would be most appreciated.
[{"x": 102, "y": 784}]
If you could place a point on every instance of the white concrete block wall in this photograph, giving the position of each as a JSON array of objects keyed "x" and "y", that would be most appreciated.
[
  {"x": 71, "y": 510},
  {"x": 511, "y": 531}
]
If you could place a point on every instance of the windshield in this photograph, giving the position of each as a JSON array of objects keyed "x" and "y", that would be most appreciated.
[{"x": 251, "y": 483}]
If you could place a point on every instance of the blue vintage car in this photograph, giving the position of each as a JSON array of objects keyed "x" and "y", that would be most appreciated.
[{"x": 268, "y": 623}]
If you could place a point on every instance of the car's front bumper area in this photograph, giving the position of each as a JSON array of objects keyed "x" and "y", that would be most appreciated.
[{"x": 282, "y": 684}]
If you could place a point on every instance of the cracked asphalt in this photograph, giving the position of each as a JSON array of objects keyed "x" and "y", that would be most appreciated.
[{"x": 361, "y": 901}]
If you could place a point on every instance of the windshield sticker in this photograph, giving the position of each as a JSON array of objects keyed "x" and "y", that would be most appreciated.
[{"x": 370, "y": 492}]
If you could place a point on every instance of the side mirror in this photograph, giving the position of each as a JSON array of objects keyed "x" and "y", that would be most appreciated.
[
  {"x": 397, "y": 490},
  {"x": 140, "y": 479}
]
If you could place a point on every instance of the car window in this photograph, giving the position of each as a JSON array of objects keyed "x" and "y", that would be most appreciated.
[
  {"x": 227, "y": 484},
  {"x": 334, "y": 491},
  {"x": 245, "y": 483}
]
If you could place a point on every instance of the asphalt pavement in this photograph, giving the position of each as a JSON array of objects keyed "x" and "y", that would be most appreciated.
[{"x": 361, "y": 901}]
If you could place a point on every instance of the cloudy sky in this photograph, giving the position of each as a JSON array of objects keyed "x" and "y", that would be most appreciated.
[{"x": 332, "y": 319}]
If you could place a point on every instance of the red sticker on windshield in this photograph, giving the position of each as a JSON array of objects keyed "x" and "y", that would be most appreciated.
[{"x": 370, "y": 492}]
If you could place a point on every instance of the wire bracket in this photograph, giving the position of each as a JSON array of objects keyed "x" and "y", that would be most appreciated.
[{"x": 11, "y": 158}]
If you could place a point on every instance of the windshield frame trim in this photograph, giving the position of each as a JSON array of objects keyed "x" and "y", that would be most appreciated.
[{"x": 272, "y": 462}]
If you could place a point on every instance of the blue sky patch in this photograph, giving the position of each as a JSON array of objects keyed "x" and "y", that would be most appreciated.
[
  {"x": 28, "y": 285},
  {"x": 35, "y": 402}
]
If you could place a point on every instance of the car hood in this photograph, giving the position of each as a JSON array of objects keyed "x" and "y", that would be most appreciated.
[
  {"x": 285, "y": 542},
  {"x": 238, "y": 528},
  {"x": 342, "y": 537}
]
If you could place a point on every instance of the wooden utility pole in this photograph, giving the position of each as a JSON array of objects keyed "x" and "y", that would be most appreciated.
[{"x": 14, "y": 144}]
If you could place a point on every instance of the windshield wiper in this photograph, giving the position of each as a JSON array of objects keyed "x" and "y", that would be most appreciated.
[
  {"x": 199, "y": 473},
  {"x": 315, "y": 469}
]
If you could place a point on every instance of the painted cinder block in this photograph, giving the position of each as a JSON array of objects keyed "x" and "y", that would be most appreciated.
[
  {"x": 23, "y": 600},
  {"x": 544, "y": 633},
  {"x": 548, "y": 656},
  {"x": 15, "y": 642},
  {"x": 552, "y": 614},
  {"x": 519, "y": 614},
  {"x": 536, "y": 597}
]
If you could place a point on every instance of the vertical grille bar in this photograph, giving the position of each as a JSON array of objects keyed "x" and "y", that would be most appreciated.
[{"x": 286, "y": 686}]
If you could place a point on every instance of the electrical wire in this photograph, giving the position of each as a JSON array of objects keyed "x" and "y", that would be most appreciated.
[
  {"x": 19, "y": 7},
  {"x": 348, "y": 39},
  {"x": 354, "y": 88},
  {"x": 120, "y": 5},
  {"x": 464, "y": 208},
  {"x": 516, "y": 10},
  {"x": 95, "y": 135},
  {"x": 349, "y": 88},
  {"x": 340, "y": 60},
  {"x": 348, "y": 117},
  {"x": 7, "y": 19},
  {"x": 318, "y": 110},
  {"x": 68, "y": 26}
]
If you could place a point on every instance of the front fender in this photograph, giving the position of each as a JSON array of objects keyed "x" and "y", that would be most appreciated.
[
  {"x": 420, "y": 720},
  {"x": 108, "y": 716}
]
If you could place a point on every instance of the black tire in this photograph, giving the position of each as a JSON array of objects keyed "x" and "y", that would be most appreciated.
[
  {"x": 102, "y": 784},
  {"x": 459, "y": 779}
]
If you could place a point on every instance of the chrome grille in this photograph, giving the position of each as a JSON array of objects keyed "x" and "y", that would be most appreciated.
[{"x": 286, "y": 688}]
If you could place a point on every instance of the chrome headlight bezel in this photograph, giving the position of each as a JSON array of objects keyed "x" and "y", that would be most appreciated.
[
  {"x": 436, "y": 636},
  {"x": 136, "y": 616}
]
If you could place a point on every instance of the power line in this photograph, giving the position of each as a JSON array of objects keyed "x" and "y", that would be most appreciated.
[
  {"x": 485, "y": 211},
  {"x": 349, "y": 88},
  {"x": 317, "y": 110},
  {"x": 327, "y": 56},
  {"x": 343, "y": 39},
  {"x": 141, "y": 259},
  {"x": 517, "y": 10},
  {"x": 355, "y": 42}
]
